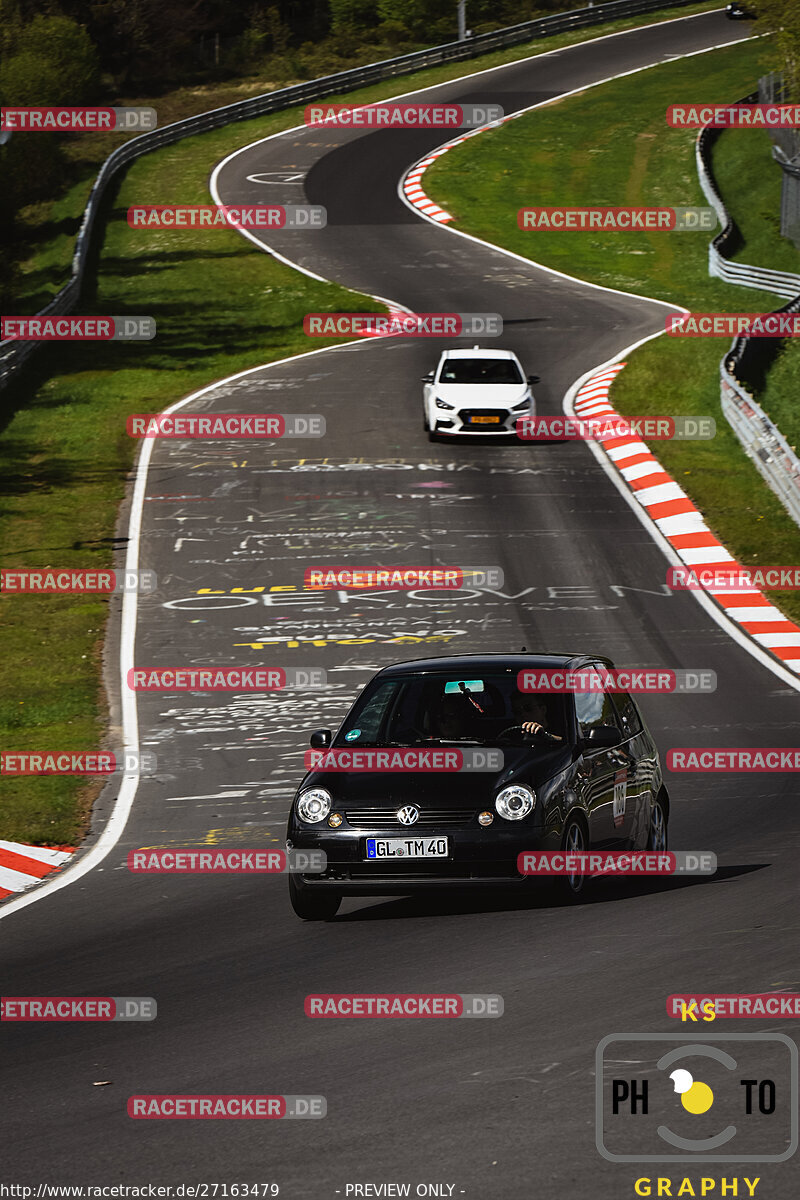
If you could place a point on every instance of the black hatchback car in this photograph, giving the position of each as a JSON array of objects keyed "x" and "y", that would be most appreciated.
[{"x": 579, "y": 771}]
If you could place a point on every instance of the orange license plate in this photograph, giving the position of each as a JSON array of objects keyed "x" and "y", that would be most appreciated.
[{"x": 484, "y": 420}]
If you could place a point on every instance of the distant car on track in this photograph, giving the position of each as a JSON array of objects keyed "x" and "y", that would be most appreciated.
[
  {"x": 736, "y": 11},
  {"x": 588, "y": 777},
  {"x": 476, "y": 391}
]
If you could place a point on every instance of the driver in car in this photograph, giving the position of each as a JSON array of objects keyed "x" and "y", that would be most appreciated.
[{"x": 530, "y": 712}]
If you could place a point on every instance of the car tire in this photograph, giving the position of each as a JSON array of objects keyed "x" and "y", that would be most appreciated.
[
  {"x": 574, "y": 887},
  {"x": 657, "y": 834},
  {"x": 313, "y": 906}
]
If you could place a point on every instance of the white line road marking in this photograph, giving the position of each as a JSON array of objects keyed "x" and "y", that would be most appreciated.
[
  {"x": 721, "y": 617},
  {"x": 130, "y": 723},
  {"x": 210, "y": 796},
  {"x": 278, "y": 177}
]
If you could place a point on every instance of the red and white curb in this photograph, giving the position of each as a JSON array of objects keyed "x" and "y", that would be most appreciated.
[
  {"x": 683, "y": 526},
  {"x": 124, "y": 800},
  {"x": 415, "y": 195},
  {"x": 22, "y": 866},
  {"x": 395, "y": 310},
  {"x": 413, "y": 191}
]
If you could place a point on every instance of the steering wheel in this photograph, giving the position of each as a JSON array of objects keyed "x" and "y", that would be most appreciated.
[
  {"x": 543, "y": 733},
  {"x": 509, "y": 730}
]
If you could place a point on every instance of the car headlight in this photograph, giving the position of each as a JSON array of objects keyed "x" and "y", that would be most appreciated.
[
  {"x": 441, "y": 404},
  {"x": 515, "y": 802},
  {"x": 522, "y": 404},
  {"x": 314, "y": 805}
]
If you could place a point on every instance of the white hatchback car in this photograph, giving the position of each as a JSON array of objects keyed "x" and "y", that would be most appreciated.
[{"x": 477, "y": 391}]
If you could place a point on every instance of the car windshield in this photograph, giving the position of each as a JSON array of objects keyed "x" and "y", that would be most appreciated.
[
  {"x": 431, "y": 707},
  {"x": 480, "y": 370}
]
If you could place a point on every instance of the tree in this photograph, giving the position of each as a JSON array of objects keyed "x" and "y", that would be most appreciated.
[
  {"x": 68, "y": 57},
  {"x": 435, "y": 21},
  {"x": 353, "y": 15},
  {"x": 50, "y": 61},
  {"x": 782, "y": 17}
]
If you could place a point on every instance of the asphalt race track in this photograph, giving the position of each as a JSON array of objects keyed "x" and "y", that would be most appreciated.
[{"x": 497, "y": 1108}]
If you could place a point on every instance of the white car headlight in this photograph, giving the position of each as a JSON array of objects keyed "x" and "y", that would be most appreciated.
[
  {"x": 441, "y": 404},
  {"x": 522, "y": 404},
  {"x": 314, "y": 805},
  {"x": 515, "y": 802}
]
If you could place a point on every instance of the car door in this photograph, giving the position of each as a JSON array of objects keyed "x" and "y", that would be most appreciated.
[
  {"x": 642, "y": 782},
  {"x": 608, "y": 770}
]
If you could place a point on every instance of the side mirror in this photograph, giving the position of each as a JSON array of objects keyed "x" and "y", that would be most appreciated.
[
  {"x": 534, "y": 378},
  {"x": 428, "y": 378},
  {"x": 320, "y": 738},
  {"x": 602, "y": 737}
]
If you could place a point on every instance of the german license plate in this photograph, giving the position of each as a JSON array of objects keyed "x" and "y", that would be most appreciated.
[
  {"x": 418, "y": 847},
  {"x": 484, "y": 420}
]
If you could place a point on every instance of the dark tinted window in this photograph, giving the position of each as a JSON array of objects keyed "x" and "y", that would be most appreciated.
[
  {"x": 480, "y": 370},
  {"x": 366, "y": 721},
  {"x": 595, "y": 708},
  {"x": 629, "y": 714},
  {"x": 439, "y": 706}
]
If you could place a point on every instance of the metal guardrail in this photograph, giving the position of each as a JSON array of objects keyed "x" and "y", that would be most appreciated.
[
  {"x": 749, "y": 357},
  {"x": 763, "y": 442},
  {"x": 728, "y": 240},
  {"x": 786, "y": 152},
  {"x": 13, "y": 355}
]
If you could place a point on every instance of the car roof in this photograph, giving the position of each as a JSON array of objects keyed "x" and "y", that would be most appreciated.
[
  {"x": 464, "y": 664},
  {"x": 479, "y": 352}
]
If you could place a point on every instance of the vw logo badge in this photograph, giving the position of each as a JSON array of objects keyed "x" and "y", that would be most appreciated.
[{"x": 408, "y": 815}]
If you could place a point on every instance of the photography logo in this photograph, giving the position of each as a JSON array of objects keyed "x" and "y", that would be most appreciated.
[{"x": 685, "y": 1097}]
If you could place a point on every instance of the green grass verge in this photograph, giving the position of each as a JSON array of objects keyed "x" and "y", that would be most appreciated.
[
  {"x": 750, "y": 181},
  {"x": 220, "y": 307},
  {"x": 779, "y": 397},
  {"x": 610, "y": 145},
  {"x": 49, "y": 229},
  {"x": 682, "y": 377},
  {"x": 607, "y": 145}
]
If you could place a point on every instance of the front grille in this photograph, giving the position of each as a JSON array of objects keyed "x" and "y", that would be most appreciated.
[{"x": 386, "y": 818}]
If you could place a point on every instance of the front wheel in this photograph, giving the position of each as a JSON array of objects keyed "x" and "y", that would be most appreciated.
[
  {"x": 311, "y": 905},
  {"x": 657, "y": 834},
  {"x": 575, "y": 843}
]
